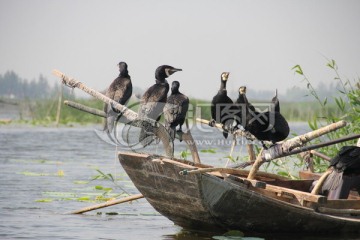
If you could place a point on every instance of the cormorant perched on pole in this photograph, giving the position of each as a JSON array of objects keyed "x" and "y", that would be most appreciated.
[
  {"x": 269, "y": 125},
  {"x": 222, "y": 107},
  {"x": 345, "y": 173},
  {"x": 153, "y": 101},
  {"x": 275, "y": 102},
  {"x": 281, "y": 127},
  {"x": 120, "y": 90},
  {"x": 175, "y": 109}
]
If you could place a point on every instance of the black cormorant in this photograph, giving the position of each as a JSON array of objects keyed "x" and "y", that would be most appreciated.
[
  {"x": 281, "y": 128},
  {"x": 222, "y": 107},
  {"x": 269, "y": 125},
  {"x": 120, "y": 90},
  {"x": 175, "y": 109},
  {"x": 345, "y": 173},
  {"x": 153, "y": 100}
]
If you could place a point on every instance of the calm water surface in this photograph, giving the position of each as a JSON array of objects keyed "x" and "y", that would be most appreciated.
[{"x": 46, "y": 172}]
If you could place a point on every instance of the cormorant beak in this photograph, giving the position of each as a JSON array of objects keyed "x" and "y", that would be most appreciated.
[
  {"x": 170, "y": 71},
  {"x": 242, "y": 90},
  {"x": 276, "y": 93}
]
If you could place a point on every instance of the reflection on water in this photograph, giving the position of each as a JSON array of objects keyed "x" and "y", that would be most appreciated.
[{"x": 48, "y": 172}]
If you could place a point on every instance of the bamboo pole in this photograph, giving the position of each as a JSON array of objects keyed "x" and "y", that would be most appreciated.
[
  {"x": 258, "y": 162},
  {"x": 238, "y": 133},
  {"x": 298, "y": 141},
  {"x": 84, "y": 108},
  {"x": 108, "y": 203},
  {"x": 277, "y": 154},
  {"x": 206, "y": 122},
  {"x": 321, "y": 155},
  {"x": 321, "y": 181},
  {"x": 187, "y": 137},
  {"x": 292, "y": 146},
  {"x": 127, "y": 113},
  {"x": 58, "y": 112},
  {"x": 251, "y": 152}
]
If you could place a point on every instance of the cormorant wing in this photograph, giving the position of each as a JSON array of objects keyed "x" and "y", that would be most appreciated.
[
  {"x": 123, "y": 92},
  {"x": 153, "y": 101}
]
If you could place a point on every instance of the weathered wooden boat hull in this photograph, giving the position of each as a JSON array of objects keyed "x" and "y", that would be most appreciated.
[
  {"x": 238, "y": 208},
  {"x": 172, "y": 195},
  {"x": 201, "y": 201}
]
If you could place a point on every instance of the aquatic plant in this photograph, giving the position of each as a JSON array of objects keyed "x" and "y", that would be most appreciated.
[{"x": 348, "y": 107}]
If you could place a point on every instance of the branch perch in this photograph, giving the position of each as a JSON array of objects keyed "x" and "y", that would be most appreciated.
[
  {"x": 84, "y": 108},
  {"x": 293, "y": 145},
  {"x": 127, "y": 113},
  {"x": 238, "y": 133}
]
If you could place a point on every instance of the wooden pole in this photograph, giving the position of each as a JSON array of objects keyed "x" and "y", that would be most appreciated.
[
  {"x": 292, "y": 146},
  {"x": 206, "y": 122},
  {"x": 128, "y": 115},
  {"x": 108, "y": 203},
  {"x": 187, "y": 137},
  {"x": 58, "y": 112},
  {"x": 233, "y": 143},
  {"x": 258, "y": 162},
  {"x": 321, "y": 181},
  {"x": 275, "y": 154},
  {"x": 238, "y": 133},
  {"x": 84, "y": 108},
  {"x": 321, "y": 155},
  {"x": 251, "y": 152}
]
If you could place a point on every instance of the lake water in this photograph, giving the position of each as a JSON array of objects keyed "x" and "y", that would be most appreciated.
[{"x": 47, "y": 172}]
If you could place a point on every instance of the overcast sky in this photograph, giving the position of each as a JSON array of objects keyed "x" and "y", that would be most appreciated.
[{"x": 257, "y": 41}]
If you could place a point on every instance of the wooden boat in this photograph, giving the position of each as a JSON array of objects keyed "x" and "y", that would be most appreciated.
[
  {"x": 207, "y": 197},
  {"x": 225, "y": 199}
]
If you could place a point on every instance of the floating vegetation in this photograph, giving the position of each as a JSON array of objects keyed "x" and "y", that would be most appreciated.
[
  {"x": 73, "y": 196},
  {"x": 81, "y": 182},
  {"x": 184, "y": 154},
  {"x": 109, "y": 177},
  {"x": 34, "y": 174},
  {"x": 210, "y": 150},
  {"x": 59, "y": 173},
  {"x": 44, "y": 200}
]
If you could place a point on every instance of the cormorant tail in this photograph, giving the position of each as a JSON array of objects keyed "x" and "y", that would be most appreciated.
[{"x": 333, "y": 181}]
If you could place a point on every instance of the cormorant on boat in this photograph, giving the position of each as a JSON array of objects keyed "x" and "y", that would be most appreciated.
[
  {"x": 281, "y": 127},
  {"x": 275, "y": 102},
  {"x": 222, "y": 107},
  {"x": 345, "y": 173},
  {"x": 175, "y": 109},
  {"x": 153, "y": 100},
  {"x": 120, "y": 90},
  {"x": 265, "y": 126}
]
